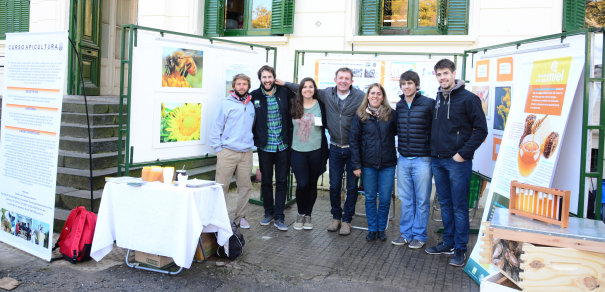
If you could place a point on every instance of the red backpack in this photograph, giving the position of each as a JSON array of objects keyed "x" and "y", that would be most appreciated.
[{"x": 75, "y": 240}]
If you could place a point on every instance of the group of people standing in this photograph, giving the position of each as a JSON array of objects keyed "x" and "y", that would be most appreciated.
[{"x": 287, "y": 121}]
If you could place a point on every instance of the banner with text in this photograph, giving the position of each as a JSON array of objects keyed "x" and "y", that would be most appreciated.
[
  {"x": 543, "y": 92},
  {"x": 32, "y": 98}
]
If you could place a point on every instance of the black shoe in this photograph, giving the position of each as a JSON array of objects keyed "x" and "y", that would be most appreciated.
[
  {"x": 382, "y": 236},
  {"x": 371, "y": 236},
  {"x": 441, "y": 248},
  {"x": 458, "y": 259}
]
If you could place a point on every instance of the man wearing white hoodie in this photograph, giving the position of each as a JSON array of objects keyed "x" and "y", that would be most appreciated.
[{"x": 231, "y": 137}]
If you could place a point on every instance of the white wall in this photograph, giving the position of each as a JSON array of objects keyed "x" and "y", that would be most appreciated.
[{"x": 490, "y": 22}]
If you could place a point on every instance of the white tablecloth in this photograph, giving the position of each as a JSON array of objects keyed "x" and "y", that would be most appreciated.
[{"x": 158, "y": 219}]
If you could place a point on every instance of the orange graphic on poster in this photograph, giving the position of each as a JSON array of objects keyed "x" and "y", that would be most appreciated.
[
  {"x": 482, "y": 71},
  {"x": 496, "y": 148},
  {"x": 505, "y": 69},
  {"x": 547, "y": 86}
]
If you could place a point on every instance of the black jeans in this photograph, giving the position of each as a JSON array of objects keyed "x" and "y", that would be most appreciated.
[
  {"x": 306, "y": 167},
  {"x": 266, "y": 161}
]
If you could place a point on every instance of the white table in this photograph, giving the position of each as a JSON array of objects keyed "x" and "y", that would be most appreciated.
[{"x": 159, "y": 219}]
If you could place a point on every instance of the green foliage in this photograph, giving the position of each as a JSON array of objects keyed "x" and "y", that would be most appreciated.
[
  {"x": 595, "y": 13},
  {"x": 167, "y": 116}
]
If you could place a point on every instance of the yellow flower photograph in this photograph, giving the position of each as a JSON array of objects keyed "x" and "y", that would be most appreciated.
[{"x": 180, "y": 122}]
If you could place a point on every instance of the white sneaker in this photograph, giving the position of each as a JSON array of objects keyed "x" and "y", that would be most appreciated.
[
  {"x": 243, "y": 224},
  {"x": 299, "y": 223}
]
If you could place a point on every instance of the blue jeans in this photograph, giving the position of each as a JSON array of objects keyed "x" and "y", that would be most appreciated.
[
  {"x": 339, "y": 158},
  {"x": 378, "y": 182},
  {"x": 414, "y": 185},
  {"x": 452, "y": 180}
]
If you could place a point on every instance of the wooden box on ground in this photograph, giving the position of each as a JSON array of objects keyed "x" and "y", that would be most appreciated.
[
  {"x": 498, "y": 283},
  {"x": 210, "y": 246},
  {"x": 152, "y": 261}
]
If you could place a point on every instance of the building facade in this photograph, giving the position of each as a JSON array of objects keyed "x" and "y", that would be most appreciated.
[{"x": 339, "y": 25}]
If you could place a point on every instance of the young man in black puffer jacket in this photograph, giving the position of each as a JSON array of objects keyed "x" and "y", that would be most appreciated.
[
  {"x": 414, "y": 174},
  {"x": 458, "y": 129}
]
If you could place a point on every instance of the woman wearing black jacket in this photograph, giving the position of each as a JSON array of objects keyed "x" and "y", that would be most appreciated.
[
  {"x": 309, "y": 148},
  {"x": 372, "y": 142}
]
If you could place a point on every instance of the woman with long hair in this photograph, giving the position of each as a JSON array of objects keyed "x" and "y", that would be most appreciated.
[
  {"x": 309, "y": 148},
  {"x": 372, "y": 142}
]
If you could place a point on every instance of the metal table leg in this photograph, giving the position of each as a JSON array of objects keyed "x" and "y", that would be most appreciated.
[{"x": 135, "y": 266}]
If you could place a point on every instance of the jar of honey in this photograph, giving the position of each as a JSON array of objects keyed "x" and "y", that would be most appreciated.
[{"x": 529, "y": 155}]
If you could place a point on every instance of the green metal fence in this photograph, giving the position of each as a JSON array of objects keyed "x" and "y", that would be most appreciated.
[
  {"x": 586, "y": 127},
  {"x": 125, "y": 158}
]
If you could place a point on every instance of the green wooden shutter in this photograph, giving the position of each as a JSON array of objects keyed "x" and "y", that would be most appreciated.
[
  {"x": 442, "y": 17},
  {"x": 282, "y": 17},
  {"x": 574, "y": 13},
  {"x": 457, "y": 17},
  {"x": 214, "y": 20},
  {"x": 3, "y": 18},
  {"x": 370, "y": 14},
  {"x": 24, "y": 16}
]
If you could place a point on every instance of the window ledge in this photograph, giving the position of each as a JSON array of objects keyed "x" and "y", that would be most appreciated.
[
  {"x": 414, "y": 39},
  {"x": 260, "y": 40}
]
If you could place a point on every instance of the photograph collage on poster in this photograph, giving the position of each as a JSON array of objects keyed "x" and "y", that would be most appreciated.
[{"x": 25, "y": 228}]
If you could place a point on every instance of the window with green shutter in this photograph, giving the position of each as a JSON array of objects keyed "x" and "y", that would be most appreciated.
[
  {"x": 401, "y": 17},
  {"x": 574, "y": 14},
  {"x": 248, "y": 17},
  {"x": 14, "y": 17}
]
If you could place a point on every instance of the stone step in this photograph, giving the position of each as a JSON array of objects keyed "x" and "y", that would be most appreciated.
[
  {"x": 70, "y": 198},
  {"x": 104, "y": 145},
  {"x": 96, "y": 104},
  {"x": 96, "y": 132},
  {"x": 79, "y": 160},
  {"x": 60, "y": 218},
  {"x": 95, "y": 119}
]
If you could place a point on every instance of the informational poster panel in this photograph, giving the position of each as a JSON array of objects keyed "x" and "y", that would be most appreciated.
[
  {"x": 540, "y": 100},
  {"x": 177, "y": 82},
  {"x": 32, "y": 98},
  {"x": 383, "y": 69}
]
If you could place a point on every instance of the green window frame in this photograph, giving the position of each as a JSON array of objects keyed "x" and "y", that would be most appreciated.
[
  {"x": 282, "y": 19},
  {"x": 14, "y": 17},
  {"x": 574, "y": 14},
  {"x": 452, "y": 19}
]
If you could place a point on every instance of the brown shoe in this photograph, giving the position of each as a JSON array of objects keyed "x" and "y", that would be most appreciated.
[
  {"x": 345, "y": 228},
  {"x": 334, "y": 225}
]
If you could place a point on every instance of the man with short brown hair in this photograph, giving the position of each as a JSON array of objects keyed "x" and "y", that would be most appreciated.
[{"x": 231, "y": 137}]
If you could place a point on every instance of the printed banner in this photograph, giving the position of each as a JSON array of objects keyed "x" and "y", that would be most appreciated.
[
  {"x": 542, "y": 98},
  {"x": 32, "y": 100}
]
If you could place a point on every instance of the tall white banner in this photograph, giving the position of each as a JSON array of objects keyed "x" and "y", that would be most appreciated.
[
  {"x": 32, "y": 97},
  {"x": 539, "y": 108}
]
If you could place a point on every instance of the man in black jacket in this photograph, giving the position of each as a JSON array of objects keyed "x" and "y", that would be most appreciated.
[
  {"x": 458, "y": 129},
  {"x": 414, "y": 174},
  {"x": 272, "y": 133}
]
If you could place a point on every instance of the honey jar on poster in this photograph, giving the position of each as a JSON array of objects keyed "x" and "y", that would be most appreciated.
[{"x": 529, "y": 155}]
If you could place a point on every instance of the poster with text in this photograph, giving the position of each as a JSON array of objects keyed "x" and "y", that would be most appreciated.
[
  {"x": 534, "y": 128},
  {"x": 180, "y": 69},
  {"x": 230, "y": 71},
  {"x": 364, "y": 72},
  {"x": 32, "y": 98}
]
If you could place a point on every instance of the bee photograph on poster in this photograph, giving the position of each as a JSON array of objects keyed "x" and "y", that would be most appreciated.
[{"x": 180, "y": 68}]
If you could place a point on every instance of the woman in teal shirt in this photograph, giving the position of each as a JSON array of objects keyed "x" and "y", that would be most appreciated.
[{"x": 309, "y": 148}]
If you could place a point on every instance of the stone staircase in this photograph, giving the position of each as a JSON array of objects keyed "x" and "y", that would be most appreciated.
[{"x": 73, "y": 174}]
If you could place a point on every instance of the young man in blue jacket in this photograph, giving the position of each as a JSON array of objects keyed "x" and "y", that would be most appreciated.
[
  {"x": 231, "y": 138},
  {"x": 414, "y": 174},
  {"x": 458, "y": 129}
]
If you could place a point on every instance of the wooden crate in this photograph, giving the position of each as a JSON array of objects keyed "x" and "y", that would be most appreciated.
[
  {"x": 522, "y": 208},
  {"x": 561, "y": 269}
]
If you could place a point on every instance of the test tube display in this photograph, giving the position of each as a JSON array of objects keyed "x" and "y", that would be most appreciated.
[{"x": 539, "y": 202}]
